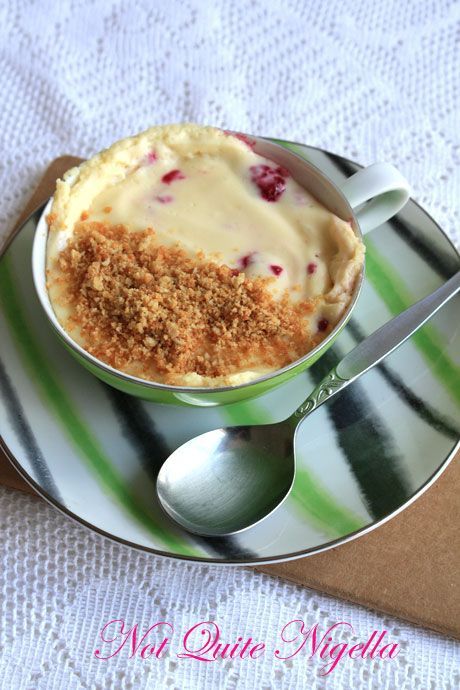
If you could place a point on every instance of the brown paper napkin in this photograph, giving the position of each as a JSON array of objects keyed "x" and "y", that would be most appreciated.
[{"x": 409, "y": 567}]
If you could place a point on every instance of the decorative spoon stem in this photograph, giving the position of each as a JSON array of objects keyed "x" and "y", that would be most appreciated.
[{"x": 377, "y": 346}]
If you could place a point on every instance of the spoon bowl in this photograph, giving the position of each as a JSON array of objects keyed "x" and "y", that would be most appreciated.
[{"x": 226, "y": 480}]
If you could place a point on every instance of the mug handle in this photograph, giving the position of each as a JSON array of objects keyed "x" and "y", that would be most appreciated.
[{"x": 383, "y": 186}]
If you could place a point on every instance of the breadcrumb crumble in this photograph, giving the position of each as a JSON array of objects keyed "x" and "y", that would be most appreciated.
[{"x": 154, "y": 310}]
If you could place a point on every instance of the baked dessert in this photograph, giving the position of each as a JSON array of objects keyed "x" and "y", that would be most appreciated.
[{"x": 183, "y": 257}]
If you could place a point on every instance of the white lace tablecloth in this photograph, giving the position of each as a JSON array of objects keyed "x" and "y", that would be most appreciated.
[{"x": 369, "y": 79}]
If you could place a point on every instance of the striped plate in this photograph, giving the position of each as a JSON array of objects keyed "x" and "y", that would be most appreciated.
[{"x": 94, "y": 452}]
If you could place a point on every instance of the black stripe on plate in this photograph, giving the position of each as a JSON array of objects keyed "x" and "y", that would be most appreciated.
[
  {"x": 366, "y": 443},
  {"x": 429, "y": 415},
  {"x": 26, "y": 436},
  {"x": 442, "y": 262},
  {"x": 139, "y": 430}
]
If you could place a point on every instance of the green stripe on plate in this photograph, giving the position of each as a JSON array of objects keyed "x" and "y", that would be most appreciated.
[
  {"x": 313, "y": 500},
  {"x": 397, "y": 298},
  {"x": 37, "y": 364},
  {"x": 327, "y": 514}
]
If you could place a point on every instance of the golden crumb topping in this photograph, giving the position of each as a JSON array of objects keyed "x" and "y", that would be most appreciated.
[{"x": 147, "y": 308}]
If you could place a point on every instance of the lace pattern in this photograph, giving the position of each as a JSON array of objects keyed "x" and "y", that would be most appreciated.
[{"x": 367, "y": 79}]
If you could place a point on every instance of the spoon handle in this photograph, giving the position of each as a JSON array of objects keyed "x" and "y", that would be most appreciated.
[{"x": 377, "y": 346}]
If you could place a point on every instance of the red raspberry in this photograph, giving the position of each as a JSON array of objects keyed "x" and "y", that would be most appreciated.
[
  {"x": 172, "y": 176},
  {"x": 270, "y": 181}
]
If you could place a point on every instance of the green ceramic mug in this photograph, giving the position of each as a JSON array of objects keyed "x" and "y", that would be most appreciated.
[{"x": 381, "y": 185}]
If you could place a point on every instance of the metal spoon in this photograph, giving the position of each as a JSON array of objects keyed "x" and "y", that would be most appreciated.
[{"x": 227, "y": 480}]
